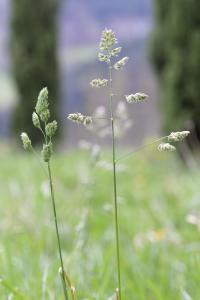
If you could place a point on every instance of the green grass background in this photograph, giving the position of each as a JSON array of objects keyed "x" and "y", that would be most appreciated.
[{"x": 160, "y": 250}]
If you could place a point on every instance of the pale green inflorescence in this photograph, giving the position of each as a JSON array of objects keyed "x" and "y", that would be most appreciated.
[
  {"x": 116, "y": 51},
  {"x": 26, "y": 141},
  {"x": 36, "y": 120},
  {"x": 166, "y": 147},
  {"x": 80, "y": 119},
  {"x": 121, "y": 63},
  {"x": 47, "y": 152},
  {"x": 42, "y": 105},
  {"x": 103, "y": 57},
  {"x": 108, "y": 40},
  {"x": 40, "y": 118},
  {"x": 108, "y": 53},
  {"x": 51, "y": 128},
  {"x": 137, "y": 97},
  {"x": 178, "y": 136},
  {"x": 99, "y": 82}
]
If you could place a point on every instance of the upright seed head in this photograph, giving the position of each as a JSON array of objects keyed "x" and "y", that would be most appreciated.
[
  {"x": 45, "y": 115},
  {"x": 108, "y": 40},
  {"x": 36, "y": 120},
  {"x": 51, "y": 128},
  {"x": 26, "y": 141},
  {"x": 42, "y": 105},
  {"x": 47, "y": 152},
  {"x": 178, "y": 136},
  {"x": 42, "y": 102}
]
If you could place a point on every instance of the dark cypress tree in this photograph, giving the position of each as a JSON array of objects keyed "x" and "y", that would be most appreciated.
[
  {"x": 176, "y": 56},
  {"x": 34, "y": 51}
]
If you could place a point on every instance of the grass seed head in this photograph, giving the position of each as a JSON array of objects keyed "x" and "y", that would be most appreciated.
[
  {"x": 166, "y": 147},
  {"x": 178, "y": 136},
  {"x": 121, "y": 63},
  {"x": 36, "y": 120},
  {"x": 26, "y": 141},
  {"x": 51, "y": 128}
]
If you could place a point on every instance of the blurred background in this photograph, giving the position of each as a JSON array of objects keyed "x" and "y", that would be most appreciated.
[{"x": 55, "y": 44}]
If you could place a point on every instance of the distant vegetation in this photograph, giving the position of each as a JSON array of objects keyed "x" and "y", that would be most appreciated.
[{"x": 176, "y": 55}]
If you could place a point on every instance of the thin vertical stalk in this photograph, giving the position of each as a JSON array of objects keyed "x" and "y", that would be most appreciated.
[
  {"x": 57, "y": 232},
  {"x": 114, "y": 180}
]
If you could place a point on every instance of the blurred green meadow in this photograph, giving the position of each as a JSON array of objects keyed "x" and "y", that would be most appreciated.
[{"x": 159, "y": 228}]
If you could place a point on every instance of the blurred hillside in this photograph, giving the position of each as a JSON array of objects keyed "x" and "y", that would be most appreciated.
[{"x": 86, "y": 18}]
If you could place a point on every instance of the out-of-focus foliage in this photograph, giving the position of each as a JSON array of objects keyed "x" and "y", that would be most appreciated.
[
  {"x": 159, "y": 228},
  {"x": 34, "y": 42},
  {"x": 176, "y": 55}
]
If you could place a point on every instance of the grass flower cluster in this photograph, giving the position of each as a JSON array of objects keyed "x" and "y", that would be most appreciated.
[
  {"x": 40, "y": 119},
  {"x": 116, "y": 112},
  {"x": 108, "y": 53}
]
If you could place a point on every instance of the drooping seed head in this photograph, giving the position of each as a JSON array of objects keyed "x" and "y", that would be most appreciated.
[
  {"x": 166, "y": 147},
  {"x": 36, "y": 120},
  {"x": 51, "y": 128},
  {"x": 138, "y": 97},
  {"x": 98, "y": 83},
  {"x": 47, "y": 152},
  {"x": 108, "y": 40},
  {"x": 26, "y": 141},
  {"x": 178, "y": 136},
  {"x": 121, "y": 63}
]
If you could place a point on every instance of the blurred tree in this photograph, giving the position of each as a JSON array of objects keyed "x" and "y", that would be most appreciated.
[
  {"x": 176, "y": 56},
  {"x": 34, "y": 47}
]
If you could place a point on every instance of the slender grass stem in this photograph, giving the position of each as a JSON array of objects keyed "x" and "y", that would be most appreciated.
[
  {"x": 140, "y": 148},
  {"x": 39, "y": 160},
  {"x": 57, "y": 231},
  {"x": 114, "y": 182}
]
